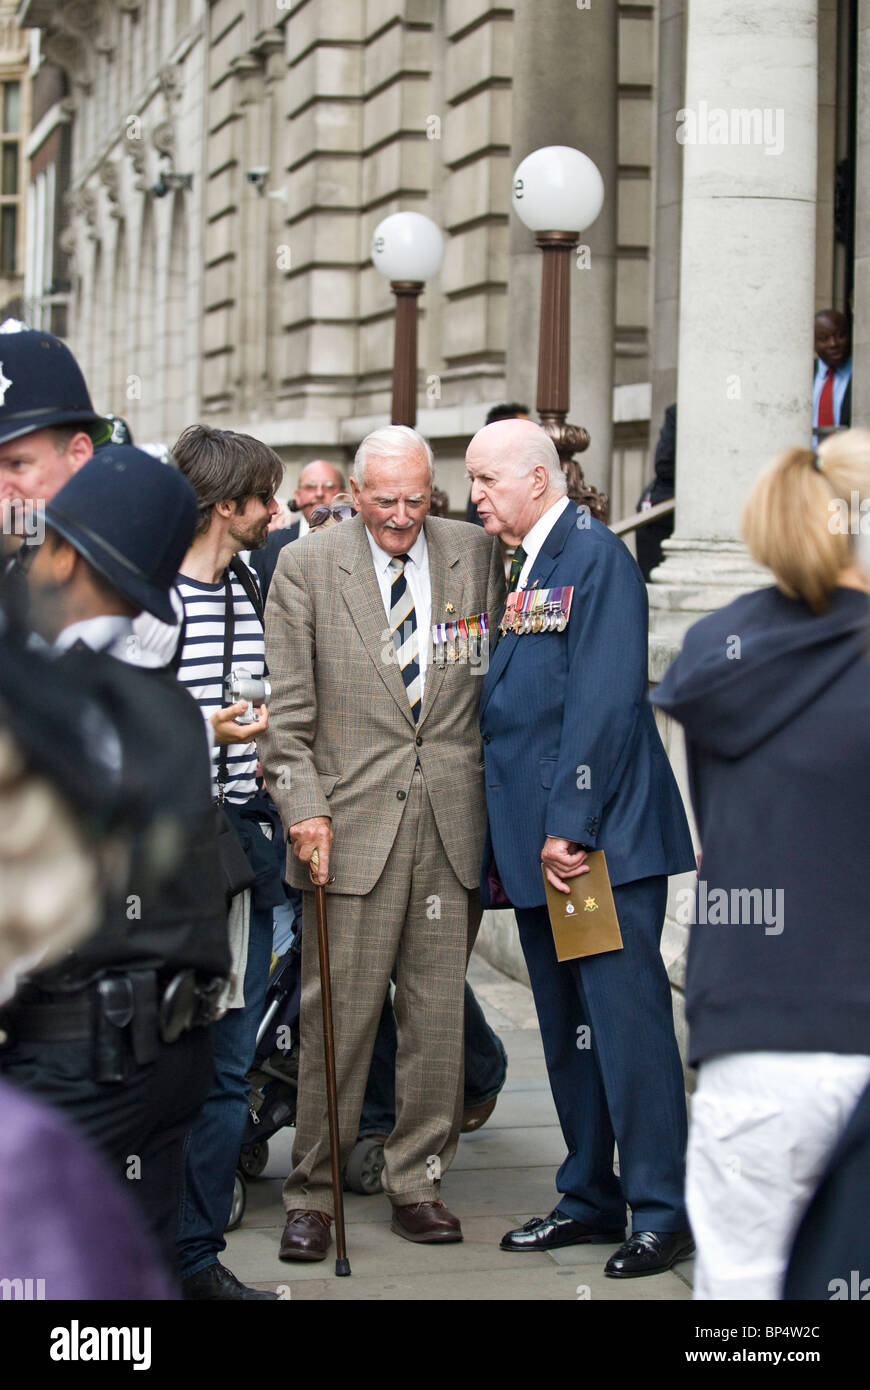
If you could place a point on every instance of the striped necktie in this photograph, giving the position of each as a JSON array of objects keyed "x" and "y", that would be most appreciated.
[
  {"x": 516, "y": 568},
  {"x": 513, "y": 580},
  {"x": 403, "y": 625}
]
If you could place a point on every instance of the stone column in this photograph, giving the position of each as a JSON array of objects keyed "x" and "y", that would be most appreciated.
[
  {"x": 826, "y": 174},
  {"x": 564, "y": 93},
  {"x": 746, "y": 285},
  {"x": 861, "y": 331},
  {"x": 668, "y": 209}
]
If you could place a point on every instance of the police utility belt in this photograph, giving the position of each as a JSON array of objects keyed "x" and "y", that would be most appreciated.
[{"x": 125, "y": 1013}]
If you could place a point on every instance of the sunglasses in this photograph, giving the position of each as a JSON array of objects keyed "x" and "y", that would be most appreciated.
[
  {"x": 264, "y": 497},
  {"x": 343, "y": 512}
]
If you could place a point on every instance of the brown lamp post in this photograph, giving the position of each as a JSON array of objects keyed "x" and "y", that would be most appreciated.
[
  {"x": 407, "y": 249},
  {"x": 559, "y": 188}
]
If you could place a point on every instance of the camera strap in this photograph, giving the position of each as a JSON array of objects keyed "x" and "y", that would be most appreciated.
[
  {"x": 229, "y": 637},
  {"x": 249, "y": 584}
]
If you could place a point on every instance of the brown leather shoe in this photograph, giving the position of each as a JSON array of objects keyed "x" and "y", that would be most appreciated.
[
  {"x": 306, "y": 1235},
  {"x": 426, "y": 1222}
]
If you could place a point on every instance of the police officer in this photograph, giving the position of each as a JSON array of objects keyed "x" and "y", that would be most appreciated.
[
  {"x": 48, "y": 430},
  {"x": 112, "y": 1034}
]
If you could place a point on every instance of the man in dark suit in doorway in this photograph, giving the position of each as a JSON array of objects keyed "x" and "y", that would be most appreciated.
[{"x": 832, "y": 379}]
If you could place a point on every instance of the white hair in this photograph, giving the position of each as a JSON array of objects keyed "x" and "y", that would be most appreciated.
[
  {"x": 392, "y": 442},
  {"x": 540, "y": 449}
]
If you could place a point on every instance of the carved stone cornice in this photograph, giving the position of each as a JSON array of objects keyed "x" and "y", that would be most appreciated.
[
  {"x": 135, "y": 148},
  {"x": 76, "y": 32},
  {"x": 247, "y": 69},
  {"x": 81, "y": 206},
  {"x": 269, "y": 46},
  {"x": 268, "y": 41},
  {"x": 163, "y": 139},
  {"x": 72, "y": 56},
  {"x": 87, "y": 201},
  {"x": 68, "y": 242},
  {"x": 171, "y": 82},
  {"x": 110, "y": 177}
]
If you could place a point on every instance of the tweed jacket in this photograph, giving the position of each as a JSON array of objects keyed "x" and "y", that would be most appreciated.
[{"x": 342, "y": 741}]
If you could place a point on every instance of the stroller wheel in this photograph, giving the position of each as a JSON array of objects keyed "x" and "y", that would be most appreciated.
[
  {"x": 365, "y": 1165},
  {"x": 253, "y": 1159},
  {"x": 240, "y": 1198}
]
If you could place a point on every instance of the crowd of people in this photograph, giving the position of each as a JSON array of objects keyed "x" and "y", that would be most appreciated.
[{"x": 208, "y": 713}]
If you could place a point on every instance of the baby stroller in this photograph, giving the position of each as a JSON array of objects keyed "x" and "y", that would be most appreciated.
[{"x": 274, "y": 1080}]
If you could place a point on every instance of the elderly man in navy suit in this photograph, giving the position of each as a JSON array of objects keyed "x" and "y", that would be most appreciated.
[{"x": 574, "y": 762}]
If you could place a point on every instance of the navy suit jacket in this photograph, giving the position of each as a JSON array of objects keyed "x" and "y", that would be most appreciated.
[
  {"x": 264, "y": 560},
  {"x": 570, "y": 742}
]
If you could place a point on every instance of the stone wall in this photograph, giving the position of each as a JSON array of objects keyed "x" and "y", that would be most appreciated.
[{"x": 249, "y": 297}]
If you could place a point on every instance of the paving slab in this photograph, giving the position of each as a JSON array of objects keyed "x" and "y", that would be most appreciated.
[
  {"x": 531, "y": 1146},
  {"x": 511, "y": 1285},
  {"x": 502, "y": 1175},
  {"x": 523, "y": 1043},
  {"x": 519, "y": 1109},
  {"x": 373, "y": 1249},
  {"x": 477, "y": 1191}
]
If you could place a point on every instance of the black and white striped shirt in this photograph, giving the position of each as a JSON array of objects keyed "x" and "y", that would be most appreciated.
[{"x": 201, "y": 667}]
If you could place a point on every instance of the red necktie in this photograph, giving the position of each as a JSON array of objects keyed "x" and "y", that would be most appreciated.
[{"x": 826, "y": 400}]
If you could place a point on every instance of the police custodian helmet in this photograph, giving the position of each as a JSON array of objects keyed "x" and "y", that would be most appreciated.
[
  {"x": 42, "y": 387},
  {"x": 133, "y": 519}
]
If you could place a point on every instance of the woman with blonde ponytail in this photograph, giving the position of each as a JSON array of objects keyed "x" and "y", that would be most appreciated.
[
  {"x": 804, "y": 515},
  {"x": 773, "y": 692}
]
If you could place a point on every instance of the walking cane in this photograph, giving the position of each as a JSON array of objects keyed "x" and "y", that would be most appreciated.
[{"x": 342, "y": 1264}]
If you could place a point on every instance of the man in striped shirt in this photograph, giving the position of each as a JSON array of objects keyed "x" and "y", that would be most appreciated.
[{"x": 235, "y": 478}]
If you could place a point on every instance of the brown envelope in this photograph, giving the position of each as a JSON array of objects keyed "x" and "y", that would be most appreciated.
[{"x": 584, "y": 921}]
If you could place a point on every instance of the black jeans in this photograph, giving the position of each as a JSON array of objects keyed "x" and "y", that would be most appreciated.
[{"x": 139, "y": 1123}]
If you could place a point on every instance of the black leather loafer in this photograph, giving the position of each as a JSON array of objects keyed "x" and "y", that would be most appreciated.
[
  {"x": 216, "y": 1282},
  {"x": 550, "y": 1232},
  {"x": 649, "y": 1252}
]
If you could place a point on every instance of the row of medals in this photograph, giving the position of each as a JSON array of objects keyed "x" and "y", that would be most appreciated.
[
  {"x": 549, "y": 618},
  {"x": 456, "y": 648}
]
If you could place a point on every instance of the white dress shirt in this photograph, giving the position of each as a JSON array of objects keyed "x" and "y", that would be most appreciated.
[
  {"x": 109, "y": 632},
  {"x": 535, "y": 539},
  {"x": 417, "y": 576}
]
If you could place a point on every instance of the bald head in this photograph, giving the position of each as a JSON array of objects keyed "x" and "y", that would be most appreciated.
[
  {"x": 832, "y": 338},
  {"x": 515, "y": 477},
  {"x": 318, "y": 483}
]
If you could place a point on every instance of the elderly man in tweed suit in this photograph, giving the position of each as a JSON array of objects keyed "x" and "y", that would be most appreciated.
[{"x": 374, "y": 759}]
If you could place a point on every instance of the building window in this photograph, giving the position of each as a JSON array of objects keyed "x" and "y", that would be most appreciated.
[{"x": 10, "y": 163}]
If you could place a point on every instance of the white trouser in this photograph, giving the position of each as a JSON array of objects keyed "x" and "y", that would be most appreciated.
[{"x": 763, "y": 1127}]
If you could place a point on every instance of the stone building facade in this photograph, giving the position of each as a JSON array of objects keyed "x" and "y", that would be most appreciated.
[
  {"x": 248, "y": 297},
  {"x": 240, "y": 287}
]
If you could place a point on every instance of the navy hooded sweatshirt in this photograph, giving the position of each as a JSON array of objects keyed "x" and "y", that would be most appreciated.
[{"x": 775, "y": 703}]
